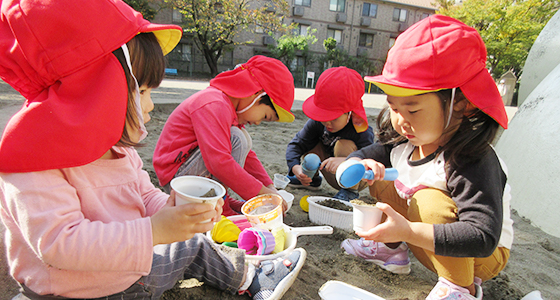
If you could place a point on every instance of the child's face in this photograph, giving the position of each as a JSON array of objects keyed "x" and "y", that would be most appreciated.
[
  {"x": 420, "y": 119},
  {"x": 147, "y": 106},
  {"x": 256, "y": 114},
  {"x": 337, "y": 124}
]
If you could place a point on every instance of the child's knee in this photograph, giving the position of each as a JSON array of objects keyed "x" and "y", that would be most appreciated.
[
  {"x": 432, "y": 206},
  {"x": 343, "y": 148}
]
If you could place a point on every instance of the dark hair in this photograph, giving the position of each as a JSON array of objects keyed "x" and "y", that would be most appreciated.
[
  {"x": 148, "y": 65},
  {"x": 470, "y": 142},
  {"x": 266, "y": 100}
]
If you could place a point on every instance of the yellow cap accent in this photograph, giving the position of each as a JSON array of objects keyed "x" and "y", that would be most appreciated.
[
  {"x": 283, "y": 115},
  {"x": 397, "y": 91},
  {"x": 168, "y": 39}
]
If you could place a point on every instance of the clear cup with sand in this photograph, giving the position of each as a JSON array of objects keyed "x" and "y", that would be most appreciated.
[
  {"x": 197, "y": 189},
  {"x": 365, "y": 215},
  {"x": 264, "y": 211}
]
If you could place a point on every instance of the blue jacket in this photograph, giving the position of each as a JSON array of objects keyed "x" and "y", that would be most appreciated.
[{"x": 313, "y": 133}]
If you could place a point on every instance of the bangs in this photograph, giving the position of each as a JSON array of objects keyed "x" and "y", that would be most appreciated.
[{"x": 148, "y": 61}]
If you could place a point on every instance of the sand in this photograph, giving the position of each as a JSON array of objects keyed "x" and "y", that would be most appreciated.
[{"x": 534, "y": 262}]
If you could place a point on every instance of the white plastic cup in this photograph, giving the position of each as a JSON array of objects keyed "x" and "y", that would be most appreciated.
[
  {"x": 365, "y": 217},
  {"x": 280, "y": 181},
  {"x": 190, "y": 189}
]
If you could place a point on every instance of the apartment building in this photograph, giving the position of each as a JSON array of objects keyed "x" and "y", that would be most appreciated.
[{"x": 366, "y": 28}]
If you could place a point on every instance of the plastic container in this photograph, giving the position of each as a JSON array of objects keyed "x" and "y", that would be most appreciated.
[
  {"x": 338, "y": 290},
  {"x": 310, "y": 164},
  {"x": 280, "y": 181},
  {"x": 534, "y": 295},
  {"x": 366, "y": 217},
  {"x": 190, "y": 189},
  {"x": 264, "y": 211},
  {"x": 323, "y": 215},
  {"x": 289, "y": 197}
]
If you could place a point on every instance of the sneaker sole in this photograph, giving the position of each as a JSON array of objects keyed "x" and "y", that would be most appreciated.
[
  {"x": 307, "y": 187},
  {"x": 285, "y": 284},
  {"x": 396, "y": 269}
]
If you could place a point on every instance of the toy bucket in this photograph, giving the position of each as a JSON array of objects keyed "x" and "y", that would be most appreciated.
[{"x": 264, "y": 211}]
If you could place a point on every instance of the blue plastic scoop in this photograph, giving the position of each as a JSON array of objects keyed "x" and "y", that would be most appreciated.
[{"x": 350, "y": 172}]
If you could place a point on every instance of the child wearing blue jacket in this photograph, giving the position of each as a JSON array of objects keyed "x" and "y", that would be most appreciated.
[{"x": 337, "y": 127}]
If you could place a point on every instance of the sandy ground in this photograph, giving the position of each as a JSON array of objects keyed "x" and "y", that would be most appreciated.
[{"x": 534, "y": 262}]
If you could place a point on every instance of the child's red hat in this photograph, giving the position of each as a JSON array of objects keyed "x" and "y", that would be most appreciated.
[
  {"x": 260, "y": 73},
  {"x": 339, "y": 90},
  {"x": 58, "y": 55},
  {"x": 440, "y": 53}
]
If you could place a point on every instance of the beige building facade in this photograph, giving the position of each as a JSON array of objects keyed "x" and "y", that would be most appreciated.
[{"x": 361, "y": 28}]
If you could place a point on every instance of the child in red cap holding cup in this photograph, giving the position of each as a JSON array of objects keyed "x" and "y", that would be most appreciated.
[
  {"x": 450, "y": 203},
  {"x": 337, "y": 127},
  {"x": 205, "y": 135},
  {"x": 83, "y": 220}
]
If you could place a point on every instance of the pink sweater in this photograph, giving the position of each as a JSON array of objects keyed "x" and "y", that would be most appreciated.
[
  {"x": 204, "y": 120},
  {"x": 80, "y": 232}
]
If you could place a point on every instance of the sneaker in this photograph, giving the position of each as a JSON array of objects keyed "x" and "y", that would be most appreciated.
[
  {"x": 346, "y": 195},
  {"x": 314, "y": 186},
  {"x": 392, "y": 260},
  {"x": 274, "y": 277},
  {"x": 445, "y": 289}
]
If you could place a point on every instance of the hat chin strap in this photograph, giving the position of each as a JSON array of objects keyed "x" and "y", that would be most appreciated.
[
  {"x": 450, "y": 107},
  {"x": 251, "y": 105},
  {"x": 137, "y": 98}
]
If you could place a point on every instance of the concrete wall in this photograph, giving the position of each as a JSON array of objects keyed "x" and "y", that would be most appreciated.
[
  {"x": 529, "y": 148},
  {"x": 542, "y": 58}
]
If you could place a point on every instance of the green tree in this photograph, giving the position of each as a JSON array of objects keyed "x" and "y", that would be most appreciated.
[
  {"x": 508, "y": 27},
  {"x": 144, "y": 7},
  {"x": 215, "y": 24},
  {"x": 337, "y": 57},
  {"x": 290, "y": 44}
]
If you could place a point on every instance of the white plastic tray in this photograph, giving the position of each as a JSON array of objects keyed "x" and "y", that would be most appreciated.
[{"x": 338, "y": 290}]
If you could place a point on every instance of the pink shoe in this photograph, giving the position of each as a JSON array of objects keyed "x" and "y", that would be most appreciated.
[
  {"x": 392, "y": 260},
  {"x": 445, "y": 289}
]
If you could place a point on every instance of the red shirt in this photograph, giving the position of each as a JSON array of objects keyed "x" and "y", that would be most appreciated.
[{"x": 204, "y": 120}]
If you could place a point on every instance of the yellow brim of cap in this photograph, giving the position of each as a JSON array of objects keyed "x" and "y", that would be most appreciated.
[
  {"x": 397, "y": 91},
  {"x": 168, "y": 39},
  {"x": 284, "y": 116}
]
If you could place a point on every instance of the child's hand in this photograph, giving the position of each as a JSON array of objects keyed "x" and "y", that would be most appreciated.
[
  {"x": 179, "y": 223},
  {"x": 298, "y": 172},
  {"x": 377, "y": 168},
  {"x": 398, "y": 229},
  {"x": 331, "y": 164},
  {"x": 395, "y": 229}
]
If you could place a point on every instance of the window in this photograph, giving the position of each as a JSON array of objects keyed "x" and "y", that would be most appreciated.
[
  {"x": 177, "y": 16},
  {"x": 335, "y": 34},
  {"x": 337, "y": 5},
  {"x": 366, "y": 40},
  {"x": 399, "y": 15},
  {"x": 369, "y": 10},
  {"x": 424, "y": 15},
  {"x": 186, "y": 52},
  {"x": 297, "y": 62},
  {"x": 301, "y": 29},
  {"x": 302, "y": 2}
]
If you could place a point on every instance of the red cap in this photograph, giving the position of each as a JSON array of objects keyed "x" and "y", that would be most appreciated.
[
  {"x": 440, "y": 53},
  {"x": 339, "y": 90},
  {"x": 260, "y": 73},
  {"x": 58, "y": 55}
]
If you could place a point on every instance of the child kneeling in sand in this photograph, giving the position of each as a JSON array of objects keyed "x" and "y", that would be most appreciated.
[
  {"x": 450, "y": 203},
  {"x": 82, "y": 218},
  {"x": 337, "y": 127},
  {"x": 205, "y": 135}
]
